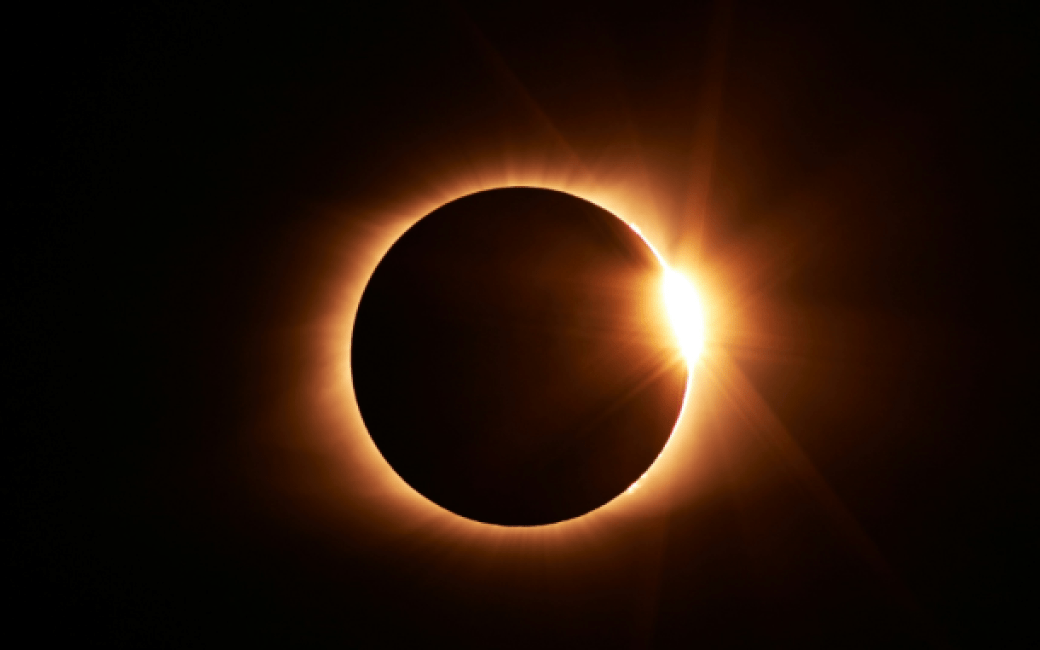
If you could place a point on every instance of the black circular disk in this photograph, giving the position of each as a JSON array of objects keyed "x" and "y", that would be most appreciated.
[{"x": 512, "y": 359}]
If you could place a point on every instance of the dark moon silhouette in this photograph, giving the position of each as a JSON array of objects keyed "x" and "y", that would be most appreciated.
[{"x": 512, "y": 358}]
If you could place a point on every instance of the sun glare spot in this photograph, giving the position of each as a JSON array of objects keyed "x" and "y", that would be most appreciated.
[{"x": 684, "y": 311}]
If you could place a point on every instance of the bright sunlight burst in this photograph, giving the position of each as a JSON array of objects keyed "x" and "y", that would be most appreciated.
[{"x": 685, "y": 313}]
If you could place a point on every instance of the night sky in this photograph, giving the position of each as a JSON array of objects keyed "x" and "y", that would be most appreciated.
[{"x": 185, "y": 186}]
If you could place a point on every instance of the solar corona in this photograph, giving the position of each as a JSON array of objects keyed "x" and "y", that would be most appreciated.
[{"x": 520, "y": 356}]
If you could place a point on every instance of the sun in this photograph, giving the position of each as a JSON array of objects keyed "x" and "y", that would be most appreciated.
[{"x": 685, "y": 313}]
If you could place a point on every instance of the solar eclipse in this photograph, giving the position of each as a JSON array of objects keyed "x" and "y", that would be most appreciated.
[
  {"x": 264, "y": 390},
  {"x": 520, "y": 355}
]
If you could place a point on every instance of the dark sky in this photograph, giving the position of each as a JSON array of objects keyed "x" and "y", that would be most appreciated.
[{"x": 181, "y": 185}]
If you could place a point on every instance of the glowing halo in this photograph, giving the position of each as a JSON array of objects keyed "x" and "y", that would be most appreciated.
[{"x": 385, "y": 497}]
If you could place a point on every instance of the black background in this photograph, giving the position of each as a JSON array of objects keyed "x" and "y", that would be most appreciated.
[{"x": 163, "y": 168}]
